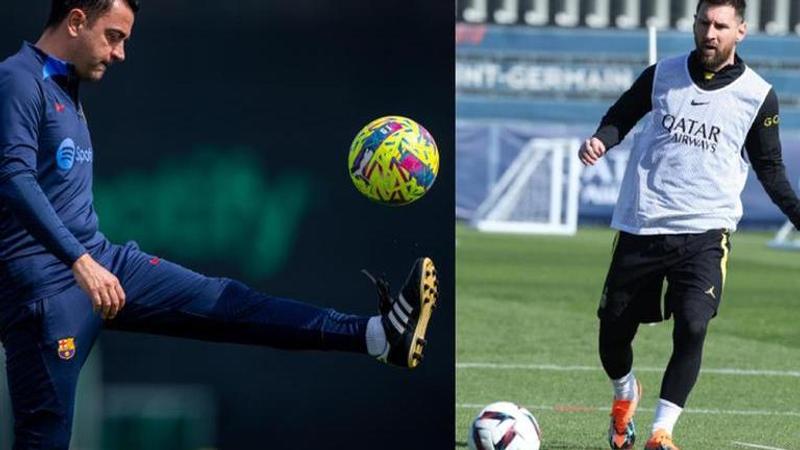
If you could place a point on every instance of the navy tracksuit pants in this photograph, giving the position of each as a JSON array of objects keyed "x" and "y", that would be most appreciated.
[{"x": 48, "y": 340}]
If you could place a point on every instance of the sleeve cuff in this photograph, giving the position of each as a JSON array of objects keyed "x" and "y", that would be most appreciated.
[
  {"x": 606, "y": 135},
  {"x": 72, "y": 252}
]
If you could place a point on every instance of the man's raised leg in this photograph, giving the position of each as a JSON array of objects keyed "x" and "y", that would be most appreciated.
[{"x": 165, "y": 298}]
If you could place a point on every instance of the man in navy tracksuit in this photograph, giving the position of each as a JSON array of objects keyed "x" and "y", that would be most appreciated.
[{"x": 62, "y": 281}]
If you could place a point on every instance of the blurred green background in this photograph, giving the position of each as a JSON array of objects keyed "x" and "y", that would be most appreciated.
[{"x": 202, "y": 206}]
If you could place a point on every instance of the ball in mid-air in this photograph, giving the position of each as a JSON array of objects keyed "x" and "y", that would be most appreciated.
[
  {"x": 393, "y": 160},
  {"x": 506, "y": 426}
]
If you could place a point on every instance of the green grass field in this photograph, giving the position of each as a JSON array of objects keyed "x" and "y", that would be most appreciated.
[{"x": 527, "y": 333}]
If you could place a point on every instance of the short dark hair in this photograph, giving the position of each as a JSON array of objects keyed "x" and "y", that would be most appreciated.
[
  {"x": 93, "y": 8},
  {"x": 738, "y": 5}
]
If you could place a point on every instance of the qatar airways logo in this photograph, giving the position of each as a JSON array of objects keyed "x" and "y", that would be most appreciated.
[
  {"x": 691, "y": 132},
  {"x": 69, "y": 153}
]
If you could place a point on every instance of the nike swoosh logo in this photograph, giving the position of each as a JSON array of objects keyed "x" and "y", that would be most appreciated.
[{"x": 696, "y": 103}]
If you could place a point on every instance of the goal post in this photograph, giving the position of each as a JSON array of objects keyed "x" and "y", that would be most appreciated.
[
  {"x": 787, "y": 237},
  {"x": 537, "y": 193}
]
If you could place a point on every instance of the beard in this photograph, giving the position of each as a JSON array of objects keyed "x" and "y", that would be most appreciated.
[
  {"x": 713, "y": 59},
  {"x": 91, "y": 73}
]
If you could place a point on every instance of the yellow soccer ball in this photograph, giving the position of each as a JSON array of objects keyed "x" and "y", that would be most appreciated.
[{"x": 393, "y": 160}]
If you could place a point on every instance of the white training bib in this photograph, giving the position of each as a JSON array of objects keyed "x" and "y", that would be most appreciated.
[{"x": 686, "y": 170}]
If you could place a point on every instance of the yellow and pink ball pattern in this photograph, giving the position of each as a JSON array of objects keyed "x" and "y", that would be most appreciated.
[{"x": 393, "y": 160}]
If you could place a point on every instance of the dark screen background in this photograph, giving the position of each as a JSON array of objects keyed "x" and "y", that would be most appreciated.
[{"x": 289, "y": 84}]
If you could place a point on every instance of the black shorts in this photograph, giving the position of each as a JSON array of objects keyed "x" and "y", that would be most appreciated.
[{"x": 693, "y": 266}]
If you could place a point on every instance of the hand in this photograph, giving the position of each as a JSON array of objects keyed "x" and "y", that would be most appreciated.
[
  {"x": 101, "y": 286},
  {"x": 591, "y": 150}
]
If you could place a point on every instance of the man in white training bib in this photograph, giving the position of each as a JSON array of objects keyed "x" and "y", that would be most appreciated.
[{"x": 710, "y": 118}]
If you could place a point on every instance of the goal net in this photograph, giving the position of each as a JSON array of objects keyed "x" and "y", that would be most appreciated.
[{"x": 537, "y": 193}]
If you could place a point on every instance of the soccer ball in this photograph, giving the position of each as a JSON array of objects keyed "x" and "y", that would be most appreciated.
[
  {"x": 504, "y": 426},
  {"x": 393, "y": 160}
]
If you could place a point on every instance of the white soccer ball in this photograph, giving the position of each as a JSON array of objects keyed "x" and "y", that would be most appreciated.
[{"x": 504, "y": 426}]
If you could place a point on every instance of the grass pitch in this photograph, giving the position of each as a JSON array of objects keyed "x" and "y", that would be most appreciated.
[{"x": 527, "y": 333}]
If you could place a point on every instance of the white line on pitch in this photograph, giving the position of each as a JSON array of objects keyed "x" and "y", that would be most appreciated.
[
  {"x": 577, "y": 408},
  {"x": 766, "y": 447},
  {"x": 560, "y": 368}
]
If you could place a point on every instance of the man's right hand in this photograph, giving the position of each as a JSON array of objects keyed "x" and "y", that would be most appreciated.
[
  {"x": 591, "y": 150},
  {"x": 101, "y": 286}
]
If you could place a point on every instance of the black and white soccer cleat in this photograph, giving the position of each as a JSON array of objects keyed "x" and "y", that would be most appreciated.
[{"x": 405, "y": 317}]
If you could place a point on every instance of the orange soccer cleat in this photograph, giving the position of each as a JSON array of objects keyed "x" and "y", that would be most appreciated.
[
  {"x": 660, "y": 440},
  {"x": 622, "y": 432}
]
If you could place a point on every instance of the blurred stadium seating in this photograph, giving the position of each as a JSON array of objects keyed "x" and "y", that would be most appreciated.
[{"x": 774, "y": 17}]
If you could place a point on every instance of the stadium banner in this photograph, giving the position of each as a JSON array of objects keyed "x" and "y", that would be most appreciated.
[
  {"x": 485, "y": 150},
  {"x": 556, "y": 74}
]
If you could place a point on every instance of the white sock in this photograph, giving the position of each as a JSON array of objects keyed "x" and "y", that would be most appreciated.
[
  {"x": 625, "y": 387},
  {"x": 376, "y": 337},
  {"x": 667, "y": 414}
]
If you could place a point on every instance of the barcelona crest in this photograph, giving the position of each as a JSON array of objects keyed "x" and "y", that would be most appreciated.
[{"x": 66, "y": 348}]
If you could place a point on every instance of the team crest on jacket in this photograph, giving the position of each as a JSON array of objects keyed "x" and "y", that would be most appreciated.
[{"x": 66, "y": 348}]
